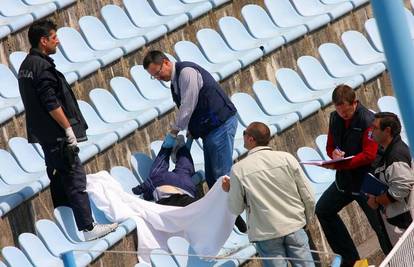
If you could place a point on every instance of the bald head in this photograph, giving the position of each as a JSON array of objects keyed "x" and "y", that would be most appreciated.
[{"x": 259, "y": 132}]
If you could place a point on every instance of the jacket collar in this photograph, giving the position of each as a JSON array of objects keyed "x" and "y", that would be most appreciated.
[
  {"x": 258, "y": 148},
  {"x": 37, "y": 52}
]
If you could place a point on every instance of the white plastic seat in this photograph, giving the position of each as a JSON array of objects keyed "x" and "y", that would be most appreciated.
[
  {"x": 296, "y": 91},
  {"x": 360, "y": 49},
  {"x": 261, "y": 26},
  {"x": 372, "y": 30},
  {"x": 239, "y": 39},
  {"x": 76, "y": 49},
  {"x": 143, "y": 15},
  {"x": 188, "y": 51},
  {"x": 26, "y": 155},
  {"x": 285, "y": 15},
  {"x": 315, "y": 7},
  {"x": 316, "y": 174},
  {"x": 339, "y": 65},
  {"x": 318, "y": 78},
  {"x": 59, "y": 3},
  {"x": 17, "y": 7},
  {"x": 217, "y": 50},
  {"x": 13, "y": 23},
  {"x": 9, "y": 90},
  {"x": 321, "y": 142},
  {"x": 356, "y": 3},
  {"x": 174, "y": 7},
  {"x": 125, "y": 177},
  {"x": 14, "y": 257}
]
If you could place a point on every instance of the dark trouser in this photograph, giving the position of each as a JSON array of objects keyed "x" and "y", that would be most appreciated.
[
  {"x": 327, "y": 208},
  {"x": 68, "y": 184},
  {"x": 180, "y": 200},
  {"x": 402, "y": 220}
]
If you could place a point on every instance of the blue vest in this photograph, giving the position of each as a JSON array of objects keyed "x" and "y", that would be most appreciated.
[{"x": 213, "y": 107}]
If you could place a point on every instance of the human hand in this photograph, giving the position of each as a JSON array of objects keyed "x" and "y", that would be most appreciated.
[
  {"x": 372, "y": 203},
  {"x": 169, "y": 141},
  {"x": 338, "y": 154},
  {"x": 225, "y": 184},
  {"x": 329, "y": 166},
  {"x": 70, "y": 137}
]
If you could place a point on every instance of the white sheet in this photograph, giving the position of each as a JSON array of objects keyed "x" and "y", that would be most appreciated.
[{"x": 206, "y": 223}]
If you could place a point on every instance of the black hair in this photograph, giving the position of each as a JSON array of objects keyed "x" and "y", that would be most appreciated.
[{"x": 40, "y": 29}]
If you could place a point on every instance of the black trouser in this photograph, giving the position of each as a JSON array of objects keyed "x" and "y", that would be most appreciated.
[
  {"x": 180, "y": 200},
  {"x": 402, "y": 220},
  {"x": 327, "y": 208},
  {"x": 68, "y": 184}
]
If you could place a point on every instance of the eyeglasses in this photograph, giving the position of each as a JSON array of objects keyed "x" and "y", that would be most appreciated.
[{"x": 156, "y": 75}]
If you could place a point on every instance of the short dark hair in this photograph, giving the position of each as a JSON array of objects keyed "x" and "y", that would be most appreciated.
[
  {"x": 389, "y": 119},
  {"x": 260, "y": 132},
  {"x": 155, "y": 57},
  {"x": 40, "y": 29},
  {"x": 343, "y": 93}
]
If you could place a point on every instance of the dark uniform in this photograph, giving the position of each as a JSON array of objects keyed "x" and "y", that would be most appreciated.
[{"x": 44, "y": 89}]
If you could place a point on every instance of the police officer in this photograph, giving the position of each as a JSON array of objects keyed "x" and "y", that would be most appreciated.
[{"x": 54, "y": 120}]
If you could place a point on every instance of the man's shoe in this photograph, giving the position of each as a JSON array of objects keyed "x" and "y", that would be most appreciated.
[{"x": 99, "y": 230}]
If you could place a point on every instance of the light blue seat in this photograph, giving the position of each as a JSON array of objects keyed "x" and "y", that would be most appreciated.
[
  {"x": 234, "y": 243},
  {"x": 141, "y": 166},
  {"x": 285, "y": 15},
  {"x": 188, "y": 51},
  {"x": 102, "y": 140},
  {"x": 2, "y": 264},
  {"x": 59, "y": 3},
  {"x": 26, "y": 155},
  {"x": 131, "y": 100},
  {"x": 318, "y": 78},
  {"x": 153, "y": 90},
  {"x": 249, "y": 111},
  {"x": 16, "y": 58},
  {"x": 339, "y": 65},
  {"x": 76, "y": 49},
  {"x": 179, "y": 246},
  {"x": 245, "y": 254},
  {"x": 295, "y": 90},
  {"x": 14, "y": 23},
  {"x": 390, "y": 104},
  {"x": 239, "y": 38},
  {"x": 6, "y": 114},
  {"x": 239, "y": 139},
  {"x": 356, "y": 3},
  {"x": 371, "y": 28},
  {"x": 217, "y": 50},
  {"x": 142, "y": 264},
  {"x": 143, "y": 15},
  {"x": 37, "y": 252},
  {"x": 14, "y": 257},
  {"x": 98, "y": 126},
  {"x": 57, "y": 243},
  {"x": 321, "y": 142},
  {"x": 261, "y": 26},
  {"x": 273, "y": 103},
  {"x": 316, "y": 174},
  {"x": 98, "y": 37},
  {"x": 125, "y": 177},
  {"x": 315, "y": 7},
  {"x": 12, "y": 195},
  {"x": 215, "y": 3},
  {"x": 66, "y": 222},
  {"x": 161, "y": 258},
  {"x": 16, "y": 8},
  {"x": 11, "y": 173},
  {"x": 360, "y": 50},
  {"x": 87, "y": 150},
  {"x": 111, "y": 111},
  {"x": 122, "y": 28},
  {"x": 174, "y": 7},
  {"x": 9, "y": 90}
]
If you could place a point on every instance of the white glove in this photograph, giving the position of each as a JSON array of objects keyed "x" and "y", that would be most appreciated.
[{"x": 70, "y": 137}]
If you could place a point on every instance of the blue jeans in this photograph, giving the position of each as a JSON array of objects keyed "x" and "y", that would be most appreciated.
[
  {"x": 218, "y": 150},
  {"x": 294, "y": 245}
]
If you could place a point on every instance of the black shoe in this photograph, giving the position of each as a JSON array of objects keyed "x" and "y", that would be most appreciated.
[{"x": 240, "y": 224}]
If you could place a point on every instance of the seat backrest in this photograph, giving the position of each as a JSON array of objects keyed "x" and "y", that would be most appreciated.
[
  {"x": 141, "y": 13},
  {"x": 125, "y": 177},
  {"x": 188, "y": 51},
  {"x": 9, "y": 86},
  {"x": 95, "y": 33},
  {"x": 16, "y": 58},
  {"x": 372, "y": 30},
  {"x": 141, "y": 165},
  {"x": 234, "y": 32},
  {"x": 247, "y": 109},
  {"x": 116, "y": 20},
  {"x": 14, "y": 257},
  {"x": 74, "y": 46},
  {"x": 160, "y": 258},
  {"x": 149, "y": 88},
  {"x": 321, "y": 141},
  {"x": 52, "y": 237},
  {"x": 291, "y": 83},
  {"x": 66, "y": 222},
  {"x": 26, "y": 155},
  {"x": 128, "y": 95}
]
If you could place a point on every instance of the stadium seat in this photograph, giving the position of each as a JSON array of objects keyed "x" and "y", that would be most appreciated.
[
  {"x": 321, "y": 141},
  {"x": 249, "y": 111},
  {"x": 12, "y": 195},
  {"x": 37, "y": 252},
  {"x": 125, "y": 177},
  {"x": 360, "y": 50},
  {"x": 76, "y": 49},
  {"x": 295, "y": 90},
  {"x": 285, "y": 15},
  {"x": 13, "y": 23},
  {"x": 234, "y": 243},
  {"x": 131, "y": 100},
  {"x": 390, "y": 104},
  {"x": 14, "y": 257},
  {"x": 161, "y": 258},
  {"x": 239, "y": 140},
  {"x": 4, "y": 29},
  {"x": 140, "y": 264},
  {"x": 339, "y": 65},
  {"x": 318, "y": 78},
  {"x": 372, "y": 30},
  {"x": 9, "y": 91},
  {"x": 188, "y": 51},
  {"x": 315, "y": 7},
  {"x": 17, "y": 7},
  {"x": 316, "y": 174},
  {"x": 111, "y": 111},
  {"x": 261, "y": 26},
  {"x": 59, "y": 3},
  {"x": 272, "y": 101},
  {"x": 179, "y": 246},
  {"x": 174, "y": 7},
  {"x": 141, "y": 166},
  {"x": 99, "y": 38},
  {"x": 356, "y": 3},
  {"x": 217, "y": 50},
  {"x": 215, "y": 3},
  {"x": 143, "y": 15},
  {"x": 239, "y": 38},
  {"x": 26, "y": 155}
]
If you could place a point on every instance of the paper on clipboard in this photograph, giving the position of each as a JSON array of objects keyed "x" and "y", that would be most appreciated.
[{"x": 325, "y": 162}]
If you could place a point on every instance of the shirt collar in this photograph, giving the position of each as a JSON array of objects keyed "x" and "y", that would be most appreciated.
[{"x": 258, "y": 148}]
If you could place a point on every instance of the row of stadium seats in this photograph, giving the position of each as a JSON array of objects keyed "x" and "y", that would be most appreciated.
[{"x": 16, "y": 14}]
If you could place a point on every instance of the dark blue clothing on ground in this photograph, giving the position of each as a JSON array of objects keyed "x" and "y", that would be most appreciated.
[{"x": 160, "y": 175}]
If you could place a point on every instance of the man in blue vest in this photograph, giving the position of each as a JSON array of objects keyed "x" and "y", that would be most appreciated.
[{"x": 203, "y": 108}]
